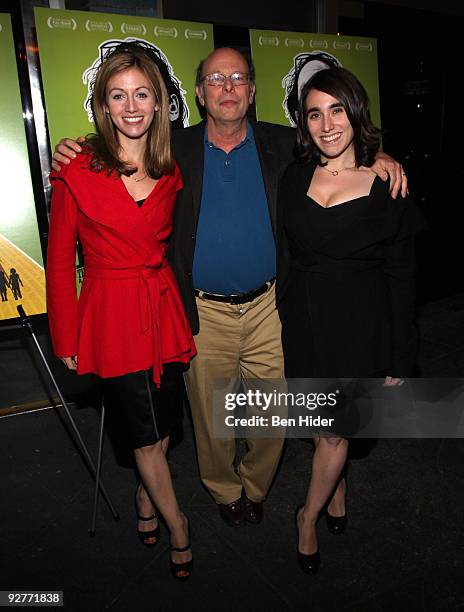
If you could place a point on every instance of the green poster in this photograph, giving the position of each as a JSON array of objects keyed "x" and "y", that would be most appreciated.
[
  {"x": 285, "y": 60},
  {"x": 71, "y": 44},
  {"x": 21, "y": 266}
]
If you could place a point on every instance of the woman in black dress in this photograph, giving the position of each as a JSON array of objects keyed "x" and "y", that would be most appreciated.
[{"x": 345, "y": 272}]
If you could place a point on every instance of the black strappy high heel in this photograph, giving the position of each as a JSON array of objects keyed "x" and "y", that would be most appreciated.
[
  {"x": 182, "y": 571},
  {"x": 145, "y": 535}
]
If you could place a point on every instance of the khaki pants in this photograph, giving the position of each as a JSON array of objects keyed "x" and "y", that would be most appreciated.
[{"x": 235, "y": 341}]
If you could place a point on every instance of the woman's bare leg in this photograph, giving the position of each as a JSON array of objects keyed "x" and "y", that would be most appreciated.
[
  {"x": 328, "y": 462},
  {"x": 337, "y": 505},
  {"x": 156, "y": 478},
  {"x": 145, "y": 506}
]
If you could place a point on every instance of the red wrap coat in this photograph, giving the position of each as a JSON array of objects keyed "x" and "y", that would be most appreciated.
[{"x": 129, "y": 315}]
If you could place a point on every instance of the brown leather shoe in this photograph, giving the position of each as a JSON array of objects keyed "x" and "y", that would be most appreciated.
[
  {"x": 253, "y": 510},
  {"x": 233, "y": 513}
]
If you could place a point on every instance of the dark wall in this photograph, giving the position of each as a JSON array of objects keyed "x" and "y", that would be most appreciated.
[
  {"x": 420, "y": 71},
  {"x": 272, "y": 14},
  {"x": 450, "y": 7}
]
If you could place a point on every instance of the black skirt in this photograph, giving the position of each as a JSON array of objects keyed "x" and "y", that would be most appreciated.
[{"x": 149, "y": 413}]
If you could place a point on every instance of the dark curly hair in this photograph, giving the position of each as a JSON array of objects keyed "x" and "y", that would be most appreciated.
[{"x": 349, "y": 91}]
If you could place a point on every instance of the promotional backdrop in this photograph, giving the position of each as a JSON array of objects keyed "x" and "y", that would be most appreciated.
[
  {"x": 22, "y": 278},
  {"x": 285, "y": 60},
  {"x": 71, "y": 44}
]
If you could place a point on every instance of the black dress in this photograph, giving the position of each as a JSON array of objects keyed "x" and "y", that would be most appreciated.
[{"x": 345, "y": 281}]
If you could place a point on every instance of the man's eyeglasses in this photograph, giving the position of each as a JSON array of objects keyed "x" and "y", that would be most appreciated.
[{"x": 217, "y": 79}]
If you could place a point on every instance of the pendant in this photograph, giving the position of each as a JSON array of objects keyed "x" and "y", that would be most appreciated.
[{"x": 334, "y": 172}]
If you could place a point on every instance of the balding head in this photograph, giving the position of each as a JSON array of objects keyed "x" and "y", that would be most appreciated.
[
  {"x": 226, "y": 103},
  {"x": 203, "y": 65}
]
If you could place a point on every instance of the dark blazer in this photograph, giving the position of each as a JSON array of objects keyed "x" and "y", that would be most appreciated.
[{"x": 275, "y": 144}]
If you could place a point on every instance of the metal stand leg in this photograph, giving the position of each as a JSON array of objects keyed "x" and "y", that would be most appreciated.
[
  {"x": 97, "y": 476},
  {"x": 25, "y": 322}
]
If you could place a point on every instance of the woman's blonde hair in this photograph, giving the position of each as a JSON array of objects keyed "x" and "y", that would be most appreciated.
[{"x": 104, "y": 145}]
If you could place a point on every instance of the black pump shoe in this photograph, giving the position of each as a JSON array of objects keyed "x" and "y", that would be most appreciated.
[
  {"x": 336, "y": 524},
  {"x": 309, "y": 564}
]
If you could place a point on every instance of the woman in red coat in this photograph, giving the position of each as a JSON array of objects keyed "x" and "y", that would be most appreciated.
[{"x": 128, "y": 326}]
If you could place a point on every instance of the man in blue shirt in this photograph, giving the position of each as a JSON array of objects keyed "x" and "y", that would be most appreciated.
[{"x": 231, "y": 168}]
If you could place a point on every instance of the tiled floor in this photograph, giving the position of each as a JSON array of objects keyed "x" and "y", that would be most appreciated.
[{"x": 404, "y": 547}]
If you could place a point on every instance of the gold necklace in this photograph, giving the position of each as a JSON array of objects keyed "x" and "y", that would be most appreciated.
[
  {"x": 137, "y": 180},
  {"x": 337, "y": 172}
]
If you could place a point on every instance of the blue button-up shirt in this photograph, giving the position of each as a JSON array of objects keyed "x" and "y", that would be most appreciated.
[{"x": 235, "y": 248}]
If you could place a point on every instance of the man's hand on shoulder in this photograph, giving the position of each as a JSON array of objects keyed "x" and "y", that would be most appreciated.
[
  {"x": 386, "y": 167},
  {"x": 66, "y": 150}
]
